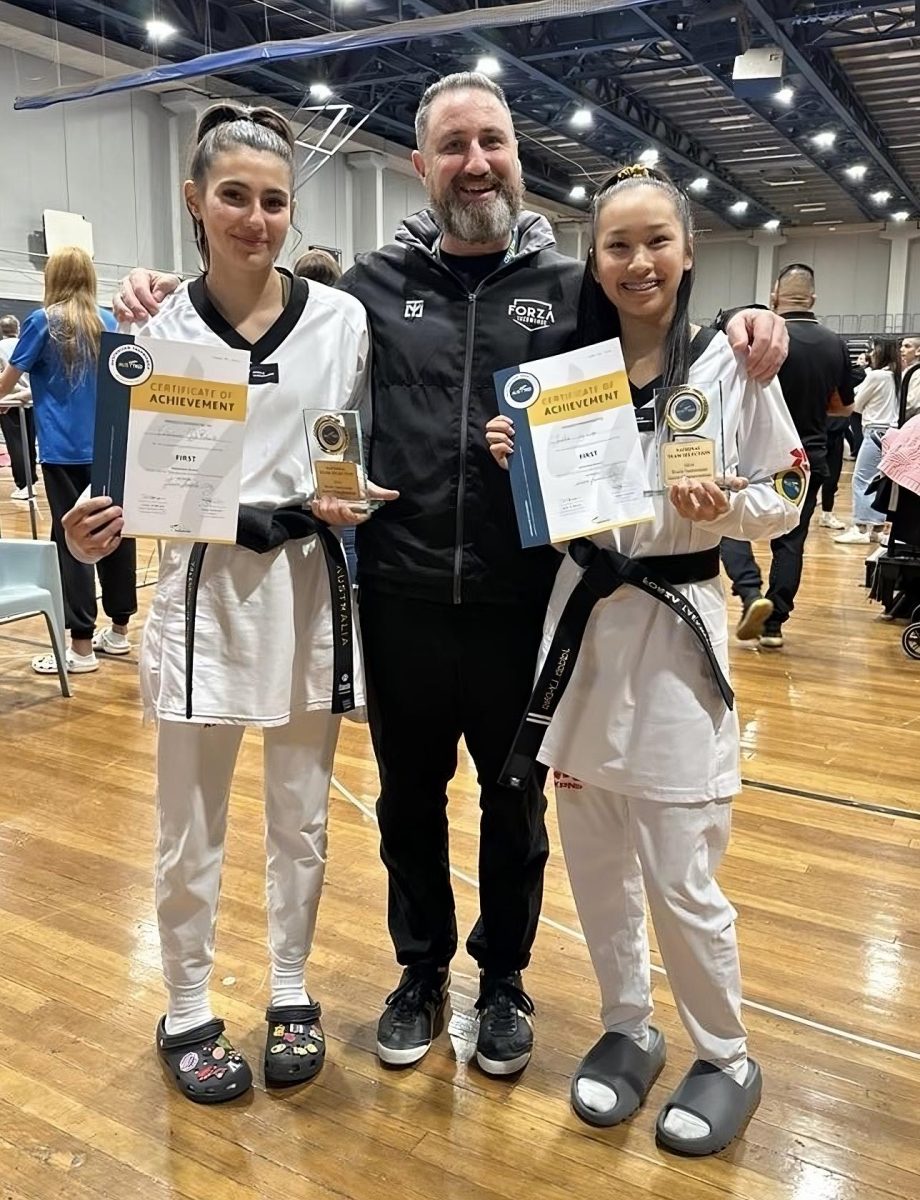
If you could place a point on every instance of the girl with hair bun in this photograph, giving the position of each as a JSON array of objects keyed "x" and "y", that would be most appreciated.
[
  {"x": 259, "y": 649},
  {"x": 645, "y": 741}
]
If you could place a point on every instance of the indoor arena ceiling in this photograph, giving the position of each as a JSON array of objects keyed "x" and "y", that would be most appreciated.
[{"x": 837, "y": 139}]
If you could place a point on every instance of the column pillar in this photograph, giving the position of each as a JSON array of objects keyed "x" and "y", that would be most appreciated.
[
  {"x": 765, "y": 243},
  {"x": 369, "y": 232},
  {"x": 900, "y": 238}
]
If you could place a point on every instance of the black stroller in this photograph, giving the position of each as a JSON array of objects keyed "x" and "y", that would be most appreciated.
[{"x": 895, "y": 579}]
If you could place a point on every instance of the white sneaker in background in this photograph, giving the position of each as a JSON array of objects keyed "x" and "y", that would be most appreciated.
[
  {"x": 827, "y": 520},
  {"x": 19, "y": 494},
  {"x": 854, "y": 536}
]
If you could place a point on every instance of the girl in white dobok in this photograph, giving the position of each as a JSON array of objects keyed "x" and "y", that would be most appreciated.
[
  {"x": 645, "y": 740},
  {"x": 258, "y": 646}
]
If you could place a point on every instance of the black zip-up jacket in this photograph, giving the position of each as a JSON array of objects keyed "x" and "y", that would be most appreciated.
[{"x": 452, "y": 536}]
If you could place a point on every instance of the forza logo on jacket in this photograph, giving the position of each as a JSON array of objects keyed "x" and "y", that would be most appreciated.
[{"x": 531, "y": 314}]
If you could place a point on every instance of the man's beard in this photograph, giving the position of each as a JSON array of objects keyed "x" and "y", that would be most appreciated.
[{"x": 480, "y": 222}]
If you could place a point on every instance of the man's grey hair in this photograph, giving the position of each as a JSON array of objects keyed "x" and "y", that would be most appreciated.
[
  {"x": 9, "y": 326},
  {"x": 459, "y": 81}
]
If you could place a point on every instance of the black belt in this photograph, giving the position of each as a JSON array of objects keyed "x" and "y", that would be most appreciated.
[
  {"x": 264, "y": 529},
  {"x": 604, "y": 572}
]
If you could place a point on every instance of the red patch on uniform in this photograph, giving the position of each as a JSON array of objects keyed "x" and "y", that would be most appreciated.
[
  {"x": 563, "y": 781},
  {"x": 800, "y": 459}
]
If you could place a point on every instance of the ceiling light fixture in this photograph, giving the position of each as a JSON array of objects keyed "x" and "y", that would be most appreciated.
[
  {"x": 581, "y": 118},
  {"x": 739, "y": 207},
  {"x": 900, "y": 216},
  {"x": 784, "y": 95},
  {"x": 825, "y": 139},
  {"x": 649, "y": 158},
  {"x": 320, "y": 91},
  {"x": 700, "y": 184},
  {"x": 772, "y": 225},
  {"x": 880, "y": 197},
  {"x": 578, "y": 192},
  {"x": 489, "y": 65},
  {"x": 159, "y": 31},
  {"x": 857, "y": 171}
]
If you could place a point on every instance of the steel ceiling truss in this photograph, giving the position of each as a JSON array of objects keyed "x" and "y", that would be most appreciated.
[
  {"x": 597, "y": 60},
  {"x": 825, "y": 76}
]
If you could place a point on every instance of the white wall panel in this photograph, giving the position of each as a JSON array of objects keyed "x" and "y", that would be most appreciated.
[
  {"x": 726, "y": 274},
  {"x": 851, "y": 270}
]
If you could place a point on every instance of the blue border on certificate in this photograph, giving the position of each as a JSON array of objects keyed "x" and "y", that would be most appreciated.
[{"x": 525, "y": 480}]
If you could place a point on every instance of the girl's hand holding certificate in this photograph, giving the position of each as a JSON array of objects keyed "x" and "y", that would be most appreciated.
[
  {"x": 93, "y": 528},
  {"x": 500, "y": 436}
]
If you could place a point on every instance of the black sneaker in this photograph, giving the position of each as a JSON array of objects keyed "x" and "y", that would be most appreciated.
[
  {"x": 772, "y": 637},
  {"x": 505, "y": 1040},
  {"x": 413, "y": 1017},
  {"x": 756, "y": 611}
]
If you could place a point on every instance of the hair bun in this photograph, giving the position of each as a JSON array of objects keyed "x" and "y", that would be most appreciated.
[
  {"x": 219, "y": 114},
  {"x": 269, "y": 119}
]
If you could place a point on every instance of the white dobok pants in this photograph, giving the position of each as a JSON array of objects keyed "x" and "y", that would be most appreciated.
[
  {"x": 612, "y": 844},
  {"x": 194, "y": 769}
]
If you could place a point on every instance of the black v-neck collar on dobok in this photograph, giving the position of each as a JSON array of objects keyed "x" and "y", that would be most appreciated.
[
  {"x": 698, "y": 346},
  {"x": 272, "y": 338}
]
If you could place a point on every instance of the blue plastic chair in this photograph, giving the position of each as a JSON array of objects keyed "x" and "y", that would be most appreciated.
[{"x": 30, "y": 583}]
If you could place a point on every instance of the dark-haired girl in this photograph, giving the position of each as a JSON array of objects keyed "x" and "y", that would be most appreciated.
[
  {"x": 263, "y": 642},
  {"x": 644, "y": 744}
]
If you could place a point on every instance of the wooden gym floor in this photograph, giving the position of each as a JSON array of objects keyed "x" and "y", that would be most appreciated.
[{"x": 824, "y": 869}]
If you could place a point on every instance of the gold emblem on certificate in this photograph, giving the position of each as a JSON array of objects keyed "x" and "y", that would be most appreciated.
[{"x": 336, "y": 456}]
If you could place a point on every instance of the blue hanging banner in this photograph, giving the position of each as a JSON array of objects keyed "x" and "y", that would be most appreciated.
[{"x": 328, "y": 43}]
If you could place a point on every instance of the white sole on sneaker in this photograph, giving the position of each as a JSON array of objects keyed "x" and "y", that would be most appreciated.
[
  {"x": 756, "y": 615},
  {"x": 493, "y": 1066},
  {"x": 401, "y": 1058}
]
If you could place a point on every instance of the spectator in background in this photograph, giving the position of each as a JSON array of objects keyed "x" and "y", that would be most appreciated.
[
  {"x": 877, "y": 401},
  {"x": 59, "y": 346},
  {"x": 910, "y": 355},
  {"x": 318, "y": 265},
  {"x": 816, "y": 380},
  {"x": 836, "y": 436},
  {"x": 9, "y": 418},
  {"x": 853, "y": 433}
]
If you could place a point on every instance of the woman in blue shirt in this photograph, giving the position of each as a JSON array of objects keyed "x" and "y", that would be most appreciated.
[{"x": 59, "y": 346}]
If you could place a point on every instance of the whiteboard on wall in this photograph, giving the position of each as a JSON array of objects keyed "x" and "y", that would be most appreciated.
[{"x": 66, "y": 229}]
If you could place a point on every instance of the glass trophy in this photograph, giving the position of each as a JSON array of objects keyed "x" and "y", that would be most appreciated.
[
  {"x": 336, "y": 451},
  {"x": 690, "y": 435}
]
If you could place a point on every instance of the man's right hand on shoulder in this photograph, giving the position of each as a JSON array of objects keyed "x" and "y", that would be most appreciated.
[{"x": 141, "y": 294}]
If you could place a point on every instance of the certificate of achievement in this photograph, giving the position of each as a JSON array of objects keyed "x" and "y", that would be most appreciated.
[
  {"x": 168, "y": 448},
  {"x": 578, "y": 466}
]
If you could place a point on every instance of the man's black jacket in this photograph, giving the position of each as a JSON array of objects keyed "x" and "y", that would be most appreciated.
[{"x": 452, "y": 536}]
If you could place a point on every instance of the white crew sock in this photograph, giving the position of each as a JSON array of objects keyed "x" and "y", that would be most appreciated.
[
  {"x": 288, "y": 990},
  {"x": 600, "y": 1097},
  {"x": 187, "y": 1008},
  {"x": 686, "y": 1126}
]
